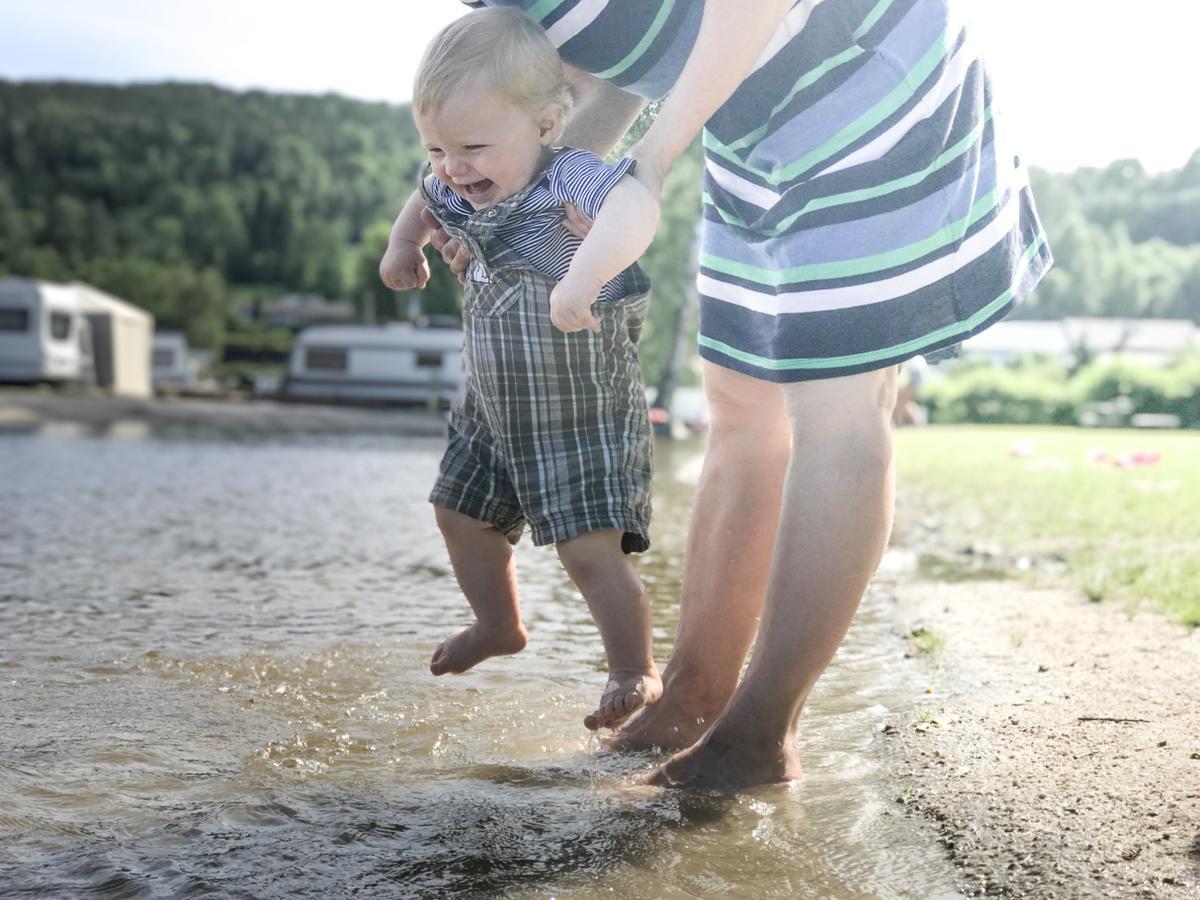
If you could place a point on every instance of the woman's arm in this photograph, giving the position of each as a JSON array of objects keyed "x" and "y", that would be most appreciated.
[
  {"x": 622, "y": 231},
  {"x": 601, "y": 115},
  {"x": 733, "y": 34}
]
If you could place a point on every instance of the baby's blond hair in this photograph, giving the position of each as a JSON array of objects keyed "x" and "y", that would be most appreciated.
[{"x": 496, "y": 48}]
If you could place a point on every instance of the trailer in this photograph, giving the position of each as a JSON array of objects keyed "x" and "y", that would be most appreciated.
[
  {"x": 393, "y": 363},
  {"x": 44, "y": 334}
]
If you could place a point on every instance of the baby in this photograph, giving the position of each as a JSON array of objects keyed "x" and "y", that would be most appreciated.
[{"x": 552, "y": 429}]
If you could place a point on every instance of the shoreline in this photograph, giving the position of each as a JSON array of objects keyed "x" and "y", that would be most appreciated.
[
  {"x": 1054, "y": 744},
  {"x": 23, "y": 408}
]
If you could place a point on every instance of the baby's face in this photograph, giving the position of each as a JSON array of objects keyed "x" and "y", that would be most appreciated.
[{"x": 484, "y": 146}]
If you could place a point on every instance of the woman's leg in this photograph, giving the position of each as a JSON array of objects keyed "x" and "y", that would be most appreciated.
[
  {"x": 731, "y": 533},
  {"x": 834, "y": 526}
]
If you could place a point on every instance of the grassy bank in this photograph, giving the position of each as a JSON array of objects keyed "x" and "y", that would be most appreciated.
[{"x": 1125, "y": 531}]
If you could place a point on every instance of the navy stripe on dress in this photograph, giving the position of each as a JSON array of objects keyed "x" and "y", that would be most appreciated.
[{"x": 861, "y": 206}]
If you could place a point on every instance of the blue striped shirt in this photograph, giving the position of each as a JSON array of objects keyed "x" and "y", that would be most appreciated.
[{"x": 535, "y": 231}]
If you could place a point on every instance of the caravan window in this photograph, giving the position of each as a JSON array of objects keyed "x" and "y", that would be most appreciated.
[
  {"x": 327, "y": 358},
  {"x": 14, "y": 319},
  {"x": 427, "y": 360},
  {"x": 60, "y": 326},
  {"x": 163, "y": 358}
]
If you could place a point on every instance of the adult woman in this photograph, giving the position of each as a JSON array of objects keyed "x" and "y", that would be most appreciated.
[{"x": 859, "y": 210}]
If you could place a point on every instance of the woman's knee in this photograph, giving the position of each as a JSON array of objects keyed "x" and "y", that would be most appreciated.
[
  {"x": 854, "y": 410},
  {"x": 739, "y": 402}
]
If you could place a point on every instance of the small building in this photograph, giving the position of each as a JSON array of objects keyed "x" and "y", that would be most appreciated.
[
  {"x": 170, "y": 365},
  {"x": 1152, "y": 342},
  {"x": 1012, "y": 339},
  {"x": 394, "y": 363},
  {"x": 44, "y": 334},
  {"x": 121, "y": 341}
]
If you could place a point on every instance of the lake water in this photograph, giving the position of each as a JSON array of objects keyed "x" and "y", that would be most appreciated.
[{"x": 213, "y": 682}]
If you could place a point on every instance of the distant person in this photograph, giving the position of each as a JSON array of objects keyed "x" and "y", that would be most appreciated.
[
  {"x": 553, "y": 430},
  {"x": 861, "y": 206},
  {"x": 909, "y": 410}
]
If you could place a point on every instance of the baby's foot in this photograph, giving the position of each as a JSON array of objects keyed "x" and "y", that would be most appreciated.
[
  {"x": 474, "y": 644},
  {"x": 626, "y": 692}
]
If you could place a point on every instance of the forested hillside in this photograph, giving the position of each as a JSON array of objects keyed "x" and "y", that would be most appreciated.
[
  {"x": 195, "y": 201},
  {"x": 1125, "y": 242},
  {"x": 174, "y": 195}
]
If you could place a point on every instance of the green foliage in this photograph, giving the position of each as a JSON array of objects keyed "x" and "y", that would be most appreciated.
[
  {"x": 1041, "y": 392},
  {"x": 670, "y": 262},
  {"x": 1125, "y": 243},
  {"x": 994, "y": 395},
  {"x": 1173, "y": 390},
  {"x": 181, "y": 197},
  {"x": 170, "y": 195}
]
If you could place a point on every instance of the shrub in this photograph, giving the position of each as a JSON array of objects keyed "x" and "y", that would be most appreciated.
[{"x": 999, "y": 395}]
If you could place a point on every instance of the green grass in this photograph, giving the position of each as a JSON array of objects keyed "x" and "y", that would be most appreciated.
[
  {"x": 926, "y": 641},
  {"x": 1126, "y": 534}
]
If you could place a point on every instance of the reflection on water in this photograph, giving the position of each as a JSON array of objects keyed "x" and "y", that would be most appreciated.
[{"x": 213, "y": 681}]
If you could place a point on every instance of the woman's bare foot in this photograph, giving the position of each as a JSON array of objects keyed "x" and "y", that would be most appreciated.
[
  {"x": 714, "y": 765},
  {"x": 474, "y": 644},
  {"x": 626, "y": 692}
]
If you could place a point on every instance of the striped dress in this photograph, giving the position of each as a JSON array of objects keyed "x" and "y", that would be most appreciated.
[{"x": 860, "y": 204}]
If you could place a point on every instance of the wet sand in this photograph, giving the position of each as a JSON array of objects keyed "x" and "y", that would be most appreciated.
[{"x": 1057, "y": 753}]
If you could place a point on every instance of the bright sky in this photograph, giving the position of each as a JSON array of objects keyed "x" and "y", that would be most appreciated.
[{"x": 1081, "y": 82}]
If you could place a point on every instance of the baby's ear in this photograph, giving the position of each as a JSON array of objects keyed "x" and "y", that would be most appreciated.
[{"x": 551, "y": 123}]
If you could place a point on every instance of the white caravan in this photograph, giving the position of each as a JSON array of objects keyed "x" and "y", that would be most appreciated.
[
  {"x": 375, "y": 363},
  {"x": 43, "y": 333}
]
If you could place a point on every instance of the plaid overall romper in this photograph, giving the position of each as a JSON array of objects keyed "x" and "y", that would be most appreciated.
[{"x": 552, "y": 428}]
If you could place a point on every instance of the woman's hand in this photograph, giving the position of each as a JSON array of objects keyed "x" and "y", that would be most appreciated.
[
  {"x": 404, "y": 267},
  {"x": 455, "y": 254},
  {"x": 577, "y": 221}
]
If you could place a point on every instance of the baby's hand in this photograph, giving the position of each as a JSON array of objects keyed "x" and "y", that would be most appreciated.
[
  {"x": 571, "y": 304},
  {"x": 403, "y": 266}
]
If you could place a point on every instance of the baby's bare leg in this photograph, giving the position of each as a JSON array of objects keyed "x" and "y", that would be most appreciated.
[
  {"x": 483, "y": 563},
  {"x": 621, "y": 610}
]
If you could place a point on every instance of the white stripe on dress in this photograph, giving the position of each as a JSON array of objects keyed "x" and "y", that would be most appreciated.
[
  {"x": 871, "y": 292},
  {"x": 950, "y": 81},
  {"x": 762, "y": 197}
]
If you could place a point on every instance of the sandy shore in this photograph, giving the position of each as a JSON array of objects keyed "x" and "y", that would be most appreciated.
[
  {"x": 23, "y": 408},
  {"x": 1054, "y": 744}
]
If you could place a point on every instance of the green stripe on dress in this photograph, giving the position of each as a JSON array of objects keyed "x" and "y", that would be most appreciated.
[
  {"x": 852, "y": 132},
  {"x": 912, "y": 346},
  {"x": 872, "y": 17},
  {"x": 806, "y": 79},
  {"x": 773, "y": 278},
  {"x": 660, "y": 19},
  {"x": 814, "y": 75},
  {"x": 868, "y": 193}
]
